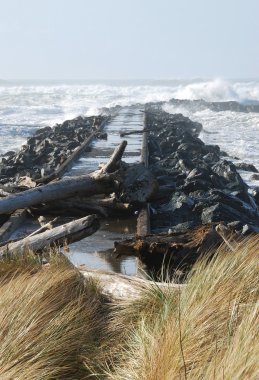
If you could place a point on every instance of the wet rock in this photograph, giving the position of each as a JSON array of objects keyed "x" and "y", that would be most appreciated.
[
  {"x": 246, "y": 167},
  {"x": 228, "y": 173},
  {"x": 250, "y": 229},
  {"x": 255, "y": 177},
  {"x": 48, "y": 148},
  {"x": 217, "y": 190},
  {"x": 102, "y": 135},
  {"x": 220, "y": 213},
  {"x": 235, "y": 226}
]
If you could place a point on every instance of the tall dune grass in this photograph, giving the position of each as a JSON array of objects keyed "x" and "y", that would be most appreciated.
[
  {"x": 205, "y": 330},
  {"x": 56, "y": 325},
  {"x": 50, "y": 321}
]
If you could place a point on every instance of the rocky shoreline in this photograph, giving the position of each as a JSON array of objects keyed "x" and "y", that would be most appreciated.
[
  {"x": 47, "y": 149},
  {"x": 202, "y": 185}
]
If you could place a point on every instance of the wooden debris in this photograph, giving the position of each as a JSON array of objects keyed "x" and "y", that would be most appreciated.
[
  {"x": 65, "y": 188},
  {"x": 118, "y": 287},
  {"x": 69, "y": 232},
  {"x": 176, "y": 249},
  {"x": 44, "y": 227},
  {"x": 112, "y": 165}
]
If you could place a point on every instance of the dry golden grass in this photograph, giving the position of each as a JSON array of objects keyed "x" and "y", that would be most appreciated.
[
  {"x": 50, "y": 321},
  {"x": 56, "y": 325},
  {"x": 205, "y": 330}
]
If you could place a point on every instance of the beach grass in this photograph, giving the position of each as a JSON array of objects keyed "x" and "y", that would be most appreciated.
[
  {"x": 54, "y": 324},
  {"x": 50, "y": 320},
  {"x": 207, "y": 329}
]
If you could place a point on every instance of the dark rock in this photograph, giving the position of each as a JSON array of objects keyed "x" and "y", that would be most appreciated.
[
  {"x": 235, "y": 226},
  {"x": 102, "y": 135},
  {"x": 200, "y": 104},
  {"x": 246, "y": 167},
  {"x": 255, "y": 177},
  {"x": 48, "y": 148},
  {"x": 228, "y": 173},
  {"x": 250, "y": 229},
  {"x": 220, "y": 213}
]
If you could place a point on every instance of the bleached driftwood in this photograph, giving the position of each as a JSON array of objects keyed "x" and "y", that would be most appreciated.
[
  {"x": 69, "y": 232},
  {"x": 118, "y": 286},
  {"x": 43, "y": 228}
]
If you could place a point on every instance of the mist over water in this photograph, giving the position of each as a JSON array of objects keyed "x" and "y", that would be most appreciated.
[{"x": 26, "y": 106}]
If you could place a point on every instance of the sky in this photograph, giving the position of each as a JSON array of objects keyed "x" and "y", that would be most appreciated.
[{"x": 128, "y": 39}]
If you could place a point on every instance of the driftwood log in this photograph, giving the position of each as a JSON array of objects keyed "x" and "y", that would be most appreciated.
[
  {"x": 112, "y": 165},
  {"x": 69, "y": 232},
  {"x": 117, "y": 286},
  {"x": 86, "y": 185},
  {"x": 80, "y": 206},
  {"x": 44, "y": 227},
  {"x": 97, "y": 182}
]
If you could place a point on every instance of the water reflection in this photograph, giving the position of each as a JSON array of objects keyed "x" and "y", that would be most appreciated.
[{"x": 96, "y": 251}]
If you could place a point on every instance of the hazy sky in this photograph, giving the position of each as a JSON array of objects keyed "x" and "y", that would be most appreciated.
[{"x": 128, "y": 39}]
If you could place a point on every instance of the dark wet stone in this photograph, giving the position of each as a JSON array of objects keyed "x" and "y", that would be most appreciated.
[
  {"x": 9, "y": 154},
  {"x": 255, "y": 177},
  {"x": 219, "y": 213},
  {"x": 211, "y": 158},
  {"x": 180, "y": 201},
  {"x": 236, "y": 225},
  {"x": 200, "y": 104},
  {"x": 48, "y": 148},
  {"x": 250, "y": 229},
  {"x": 246, "y": 167},
  {"x": 228, "y": 173},
  {"x": 195, "y": 185},
  {"x": 223, "y": 154},
  {"x": 102, "y": 135}
]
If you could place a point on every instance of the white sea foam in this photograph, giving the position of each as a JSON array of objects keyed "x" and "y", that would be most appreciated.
[{"x": 25, "y": 107}]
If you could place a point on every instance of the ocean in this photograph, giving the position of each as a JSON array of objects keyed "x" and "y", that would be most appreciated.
[{"x": 27, "y": 106}]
